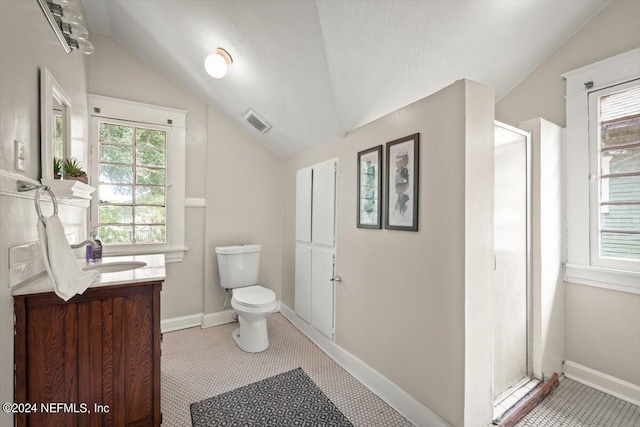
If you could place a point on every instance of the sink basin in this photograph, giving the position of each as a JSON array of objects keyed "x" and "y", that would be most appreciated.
[{"x": 115, "y": 266}]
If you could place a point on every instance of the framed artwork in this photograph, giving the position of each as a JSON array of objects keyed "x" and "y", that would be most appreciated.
[
  {"x": 402, "y": 178},
  {"x": 370, "y": 188}
]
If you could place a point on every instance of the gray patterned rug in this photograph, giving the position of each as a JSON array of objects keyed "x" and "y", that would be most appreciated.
[{"x": 288, "y": 399}]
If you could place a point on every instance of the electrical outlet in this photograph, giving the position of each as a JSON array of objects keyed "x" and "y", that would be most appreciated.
[{"x": 19, "y": 156}]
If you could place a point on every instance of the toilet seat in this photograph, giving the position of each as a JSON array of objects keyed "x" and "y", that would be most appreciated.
[{"x": 253, "y": 296}]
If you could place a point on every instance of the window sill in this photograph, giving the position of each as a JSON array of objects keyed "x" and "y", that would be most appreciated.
[
  {"x": 171, "y": 255},
  {"x": 617, "y": 280}
]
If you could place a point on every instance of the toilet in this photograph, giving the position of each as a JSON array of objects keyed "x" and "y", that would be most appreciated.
[{"x": 238, "y": 267}]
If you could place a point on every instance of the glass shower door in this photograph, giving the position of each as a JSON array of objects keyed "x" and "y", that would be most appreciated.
[{"x": 510, "y": 286}]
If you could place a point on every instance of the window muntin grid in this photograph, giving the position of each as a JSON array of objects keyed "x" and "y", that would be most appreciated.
[{"x": 132, "y": 184}]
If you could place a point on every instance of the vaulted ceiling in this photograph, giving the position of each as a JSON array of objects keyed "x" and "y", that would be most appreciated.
[{"x": 318, "y": 69}]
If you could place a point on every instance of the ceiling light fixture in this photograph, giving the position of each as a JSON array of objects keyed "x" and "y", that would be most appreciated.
[{"x": 216, "y": 64}]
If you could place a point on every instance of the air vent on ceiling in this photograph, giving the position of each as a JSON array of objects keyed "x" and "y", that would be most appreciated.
[{"x": 256, "y": 121}]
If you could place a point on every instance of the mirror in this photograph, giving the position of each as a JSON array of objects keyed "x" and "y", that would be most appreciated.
[
  {"x": 59, "y": 113},
  {"x": 55, "y": 124}
]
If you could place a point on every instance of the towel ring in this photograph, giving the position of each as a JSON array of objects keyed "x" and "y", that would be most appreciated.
[{"x": 36, "y": 200}]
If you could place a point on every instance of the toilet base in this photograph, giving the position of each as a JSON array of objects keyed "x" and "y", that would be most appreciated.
[{"x": 251, "y": 336}]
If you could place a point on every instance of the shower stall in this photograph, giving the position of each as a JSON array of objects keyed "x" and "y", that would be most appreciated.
[{"x": 512, "y": 364}]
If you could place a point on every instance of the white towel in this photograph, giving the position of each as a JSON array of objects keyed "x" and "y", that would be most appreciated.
[{"x": 60, "y": 261}]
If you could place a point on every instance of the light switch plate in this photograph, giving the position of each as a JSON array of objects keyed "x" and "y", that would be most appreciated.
[{"x": 19, "y": 156}]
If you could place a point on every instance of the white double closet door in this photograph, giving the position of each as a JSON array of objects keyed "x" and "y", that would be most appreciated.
[{"x": 316, "y": 245}]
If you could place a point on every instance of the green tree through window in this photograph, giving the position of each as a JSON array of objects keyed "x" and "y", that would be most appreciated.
[{"x": 132, "y": 188}]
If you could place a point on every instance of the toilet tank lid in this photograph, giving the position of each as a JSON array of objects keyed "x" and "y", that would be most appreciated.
[{"x": 238, "y": 249}]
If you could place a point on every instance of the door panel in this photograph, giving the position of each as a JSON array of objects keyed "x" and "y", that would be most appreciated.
[
  {"x": 324, "y": 203},
  {"x": 303, "y": 205},
  {"x": 51, "y": 362},
  {"x": 303, "y": 283},
  {"x": 90, "y": 338},
  {"x": 510, "y": 301},
  {"x": 138, "y": 359},
  {"x": 314, "y": 258},
  {"x": 322, "y": 290}
]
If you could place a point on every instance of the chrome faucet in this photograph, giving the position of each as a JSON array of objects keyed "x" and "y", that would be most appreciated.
[{"x": 85, "y": 243}]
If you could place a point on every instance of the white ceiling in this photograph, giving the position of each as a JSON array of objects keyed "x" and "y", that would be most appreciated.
[{"x": 316, "y": 70}]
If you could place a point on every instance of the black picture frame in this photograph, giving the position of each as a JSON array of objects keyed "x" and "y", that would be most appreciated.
[
  {"x": 402, "y": 196},
  {"x": 370, "y": 197}
]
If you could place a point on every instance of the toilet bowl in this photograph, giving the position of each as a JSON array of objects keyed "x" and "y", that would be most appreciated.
[
  {"x": 253, "y": 305},
  {"x": 238, "y": 267}
]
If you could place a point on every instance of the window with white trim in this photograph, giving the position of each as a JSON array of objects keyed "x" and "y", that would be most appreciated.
[
  {"x": 138, "y": 166},
  {"x": 602, "y": 173},
  {"x": 614, "y": 142}
]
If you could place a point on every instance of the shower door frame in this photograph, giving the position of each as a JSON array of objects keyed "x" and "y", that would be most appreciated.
[{"x": 529, "y": 270}]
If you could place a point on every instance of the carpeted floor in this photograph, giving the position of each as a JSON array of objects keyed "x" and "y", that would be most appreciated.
[
  {"x": 201, "y": 363},
  {"x": 573, "y": 404}
]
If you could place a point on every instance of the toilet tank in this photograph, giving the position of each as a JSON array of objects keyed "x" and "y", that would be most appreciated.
[{"x": 238, "y": 265}]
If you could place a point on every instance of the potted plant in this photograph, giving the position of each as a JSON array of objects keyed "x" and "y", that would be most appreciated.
[
  {"x": 73, "y": 170},
  {"x": 57, "y": 168}
]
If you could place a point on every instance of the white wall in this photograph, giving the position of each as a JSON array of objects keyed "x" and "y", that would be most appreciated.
[
  {"x": 27, "y": 45},
  {"x": 401, "y": 304},
  {"x": 547, "y": 230},
  {"x": 239, "y": 179},
  {"x": 21, "y": 64},
  {"x": 244, "y": 196},
  {"x": 115, "y": 71},
  {"x": 602, "y": 329},
  {"x": 616, "y": 29},
  {"x": 479, "y": 193}
]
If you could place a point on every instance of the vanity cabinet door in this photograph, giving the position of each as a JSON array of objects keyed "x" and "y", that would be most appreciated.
[
  {"x": 115, "y": 359},
  {"x": 137, "y": 364},
  {"x": 102, "y": 347},
  {"x": 46, "y": 368}
]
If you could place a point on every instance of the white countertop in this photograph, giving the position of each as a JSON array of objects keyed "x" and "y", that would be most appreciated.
[{"x": 153, "y": 271}]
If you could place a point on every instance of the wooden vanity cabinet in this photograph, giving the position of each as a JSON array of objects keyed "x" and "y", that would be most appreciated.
[{"x": 98, "y": 348}]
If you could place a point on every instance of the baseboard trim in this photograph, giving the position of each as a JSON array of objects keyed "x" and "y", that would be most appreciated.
[
  {"x": 621, "y": 389},
  {"x": 183, "y": 322},
  {"x": 393, "y": 395},
  {"x": 204, "y": 320},
  {"x": 216, "y": 319},
  {"x": 220, "y": 318}
]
